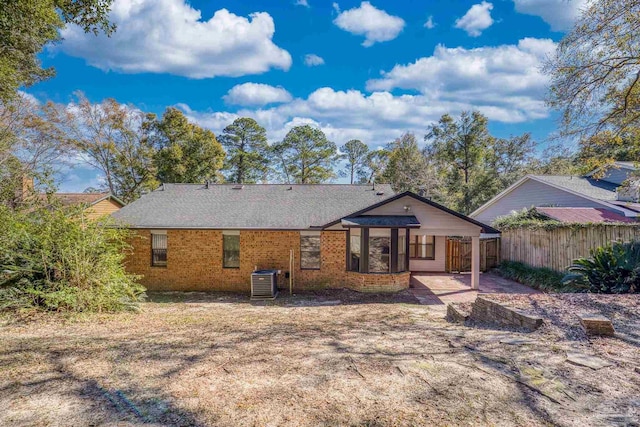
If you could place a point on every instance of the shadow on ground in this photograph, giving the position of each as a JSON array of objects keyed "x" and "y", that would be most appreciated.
[{"x": 310, "y": 298}]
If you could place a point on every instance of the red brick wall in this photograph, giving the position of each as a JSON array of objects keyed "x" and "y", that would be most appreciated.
[{"x": 194, "y": 262}]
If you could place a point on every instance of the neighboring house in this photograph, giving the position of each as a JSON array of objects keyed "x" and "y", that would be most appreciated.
[
  {"x": 614, "y": 192},
  {"x": 96, "y": 204},
  {"x": 212, "y": 237}
]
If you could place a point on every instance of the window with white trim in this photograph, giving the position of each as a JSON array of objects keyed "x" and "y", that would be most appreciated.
[
  {"x": 423, "y": 247},
  {"x": 231, "y": 249},
  {"x": 310, "y": 250},
  {"x": 158, "y": 249}
]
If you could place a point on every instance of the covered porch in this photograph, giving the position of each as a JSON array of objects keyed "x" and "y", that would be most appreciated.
[
  {"x": 434, "y": 251},
  {"x": 410, "y": 233},
  {"x": 451, "y": 254},
  {"x": 440, "y": 289}
]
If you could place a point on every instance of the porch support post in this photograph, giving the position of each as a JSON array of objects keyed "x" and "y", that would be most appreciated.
[{"x": 475, "y": 262}]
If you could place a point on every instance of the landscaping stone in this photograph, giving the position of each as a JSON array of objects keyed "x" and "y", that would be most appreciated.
[
  {"x": 456, "y": 314},
  {"x": 335, "y": 302},
  {"x": 597, "y": 325},
  {"x": 518, "y": 341},
  {"x": 587, "y": 360},
  {"x": 489, "y": 311}
]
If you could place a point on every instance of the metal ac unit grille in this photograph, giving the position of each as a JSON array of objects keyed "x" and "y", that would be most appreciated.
[{"x": 264, "y": 284}]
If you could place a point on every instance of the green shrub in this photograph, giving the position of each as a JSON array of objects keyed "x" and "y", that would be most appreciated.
[
  {"x": 543, "y": 279},
  {"x": 53, "y": 258},
  {"x": 612, "y": 269},
  {"x": 528, "y": 218}
]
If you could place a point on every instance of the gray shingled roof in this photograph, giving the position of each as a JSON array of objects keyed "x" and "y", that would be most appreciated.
[
  {"x": 628, "y": 165},
  {"x": 273, "y": 206},
  {"x": 596, "y": 189}
]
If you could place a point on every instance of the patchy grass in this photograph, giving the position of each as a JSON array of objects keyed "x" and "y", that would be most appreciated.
[
  {"x": 219, "y": 359},
  {"x": 543, "y": 279}
]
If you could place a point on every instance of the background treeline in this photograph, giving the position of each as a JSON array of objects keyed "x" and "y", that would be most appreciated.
[{"x": 460, "y": 164}]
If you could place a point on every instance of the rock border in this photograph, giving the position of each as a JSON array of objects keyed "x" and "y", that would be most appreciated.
[{"x": 485, "y": 310}]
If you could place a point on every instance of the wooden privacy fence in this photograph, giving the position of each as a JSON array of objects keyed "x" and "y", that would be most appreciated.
[
  {"x": 458, "y": 252},
  {"x": 557, "y": 248}
]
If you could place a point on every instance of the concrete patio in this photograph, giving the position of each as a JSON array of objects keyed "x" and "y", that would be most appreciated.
[{"x": 439, "y": 289}]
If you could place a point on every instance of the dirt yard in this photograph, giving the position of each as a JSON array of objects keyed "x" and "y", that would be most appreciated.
[{"x": 334, "y": 358}]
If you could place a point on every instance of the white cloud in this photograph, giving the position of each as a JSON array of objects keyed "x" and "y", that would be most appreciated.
[
  {"x": 313, "y": 60},
  {"x": 304, "y": 3},
  {"x": 430, "y": 24},
  {"x": 375, "y": 24},
  {"x": 381, "y": 116},
  {"x": 559, "y": 14},
  {"x": 169, "y": 36},
  {"x": 504, "y": 81},
  {"x": 377, "y": 118},
  {"x": 29, "y": 98},
  {"x": 256, "y": 94},
  {"x": 477, "y": 19}
]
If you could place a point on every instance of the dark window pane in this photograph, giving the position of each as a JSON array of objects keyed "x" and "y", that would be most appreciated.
[
  {"x": 310, "y": 252},
  {"x": 402, "y": 252},
  {"x": 158, "y": 250},
  {"x": 423, "y": 247},
  {"x": 379, "y": 254},
  {"x": 231, "y": 251},
  {"x": 354, "y": 256}
]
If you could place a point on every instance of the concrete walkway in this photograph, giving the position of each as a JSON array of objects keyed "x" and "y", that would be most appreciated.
[{"x": 439, "y": 289}]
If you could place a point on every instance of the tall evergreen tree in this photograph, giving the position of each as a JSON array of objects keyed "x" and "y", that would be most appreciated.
[
  {"x": 185, "y": 151},
  {"x": 459, "y": 146},
  {"x": 248, "y": 159},
  {"x": 375, "y": 165},
  {"x": 306, "y": 156},
  {"x": 408, "y": 169},
  {"x": 355, "y": 152}
]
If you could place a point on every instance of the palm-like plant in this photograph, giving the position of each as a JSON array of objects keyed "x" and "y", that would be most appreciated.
[{"x": 612, "y": 269}]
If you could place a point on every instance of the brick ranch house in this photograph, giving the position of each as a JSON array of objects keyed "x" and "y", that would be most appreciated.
[{"x": 213, "y": 236}]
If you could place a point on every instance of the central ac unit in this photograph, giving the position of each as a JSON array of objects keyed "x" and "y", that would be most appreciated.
[{"x": 264, "y": 284}]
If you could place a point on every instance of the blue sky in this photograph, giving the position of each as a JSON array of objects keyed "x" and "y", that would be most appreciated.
[{"x": 366, "y": 70}]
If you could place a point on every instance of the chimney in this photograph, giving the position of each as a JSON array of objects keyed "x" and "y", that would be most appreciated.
[{"x": 24, "y": 189}]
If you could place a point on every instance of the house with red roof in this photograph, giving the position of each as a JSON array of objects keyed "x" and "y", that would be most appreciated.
[{"x": 611, "y": 195}]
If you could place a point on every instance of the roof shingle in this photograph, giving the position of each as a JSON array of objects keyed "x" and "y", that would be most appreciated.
[
  {"x": 590, "y": 187},
  {"x": 257, "y": 206}
]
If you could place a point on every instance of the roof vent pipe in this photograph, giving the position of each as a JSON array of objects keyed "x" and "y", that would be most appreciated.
[{"x": 206, "y": 184}]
